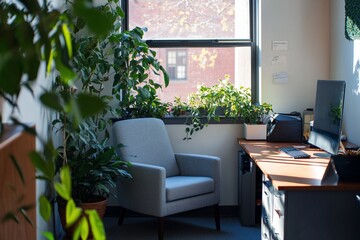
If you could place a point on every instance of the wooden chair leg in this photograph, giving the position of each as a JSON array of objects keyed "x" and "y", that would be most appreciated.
[
  {"x": 217, "y": 217},
  {"x": 121, "y": 216},
  {"x": 161, "y": 228}
]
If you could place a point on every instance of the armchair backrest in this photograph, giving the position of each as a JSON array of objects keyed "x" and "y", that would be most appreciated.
[{"x": 146, "y": 141}]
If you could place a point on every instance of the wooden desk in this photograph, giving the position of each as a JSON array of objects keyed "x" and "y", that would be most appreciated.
[{"x": 296, "y": 204}]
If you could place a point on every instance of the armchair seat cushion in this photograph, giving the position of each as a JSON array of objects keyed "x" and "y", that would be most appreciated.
[{"x": 179, "y": 187}]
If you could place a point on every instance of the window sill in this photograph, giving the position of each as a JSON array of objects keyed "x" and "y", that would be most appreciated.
[{"x": 183, "y": 119}]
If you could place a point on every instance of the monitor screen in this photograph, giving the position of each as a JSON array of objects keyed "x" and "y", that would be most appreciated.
[{"x": 329, "y": 104}]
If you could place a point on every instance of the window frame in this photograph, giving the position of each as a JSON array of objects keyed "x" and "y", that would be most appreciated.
[{"x": 253, "y": 43}]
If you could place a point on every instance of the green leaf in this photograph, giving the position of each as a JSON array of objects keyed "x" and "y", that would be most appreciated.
[
  {"x": 166, "y": 76},
  {"x": 52, "y": 101},
  {"x": 65, "y": 177},
  {"x": 48, "y": 235},
  {"x": 64, "y": 188},
  {"x": 72, "y": 213},
  {"x": 120, "y": 12},
  {"x": 45, "y": 208},
  {"x": 67, "y": 74},
  {"x": 96, "y": 224},
  {"x": 11, "y": 72},
  {"x": 67, "y": 37},
  {"x": 91, "y": 16},
  {"x": 50, "y": 61},
  {"x": 82, "y": 229},
  {"x": 84, "y": 226},
  {"x": 89, "y": 105},
  {"x": 62, "y": 191},
  {"x": 45, "y": 166}
]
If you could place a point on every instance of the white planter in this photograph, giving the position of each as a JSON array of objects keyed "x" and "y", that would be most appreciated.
[{"x": 255, "y": 131}]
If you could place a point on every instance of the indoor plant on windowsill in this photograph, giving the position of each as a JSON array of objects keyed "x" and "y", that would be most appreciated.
[
  {"x": 255, "y": 117},
  {"x": 213, "y": 103}
]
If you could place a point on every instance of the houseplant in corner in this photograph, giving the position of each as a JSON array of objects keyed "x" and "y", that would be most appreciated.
[
  {"x": 94, "y": 163},
  {"x": 32, "y": 33}
]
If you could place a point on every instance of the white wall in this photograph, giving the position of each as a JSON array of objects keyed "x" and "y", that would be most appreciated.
[
  {"x": 345, "y": 65},
  {"x": 305, "y": 25}
]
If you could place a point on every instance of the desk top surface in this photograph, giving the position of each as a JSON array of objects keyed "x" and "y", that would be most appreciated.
[{"x": 287, "y": 173}]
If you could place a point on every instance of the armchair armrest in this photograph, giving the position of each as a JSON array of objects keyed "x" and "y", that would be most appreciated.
[
  {"x": 198, "y": 165},
  {"x": 201, "y": 165},
  {"x": 145, "y": 192}
]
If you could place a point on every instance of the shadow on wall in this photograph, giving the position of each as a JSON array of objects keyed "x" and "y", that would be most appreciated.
[{"x": 355, "y": 81}]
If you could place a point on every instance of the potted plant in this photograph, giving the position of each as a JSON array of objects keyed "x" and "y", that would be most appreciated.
[
  {"x": 95, "y": 166},
  {"x": 137, "y": 78},
  {"x": 179, "y": 108},
  {"x": 347, "y": 165},
  {"x": 255, "y": 116},
  {"x": 212, "y": 103},
  {"x": 225, "y": 100},
  {"x": 94, "y": 163},
  {"x": 32, "y": 33}
]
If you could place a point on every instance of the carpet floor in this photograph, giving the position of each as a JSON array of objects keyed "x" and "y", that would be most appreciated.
[{"x": 179, "y": 228}]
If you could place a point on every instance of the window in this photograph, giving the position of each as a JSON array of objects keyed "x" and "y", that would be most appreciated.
[
  {"x": 199, "y": 41},
  {"x": 176, "y": 64}
]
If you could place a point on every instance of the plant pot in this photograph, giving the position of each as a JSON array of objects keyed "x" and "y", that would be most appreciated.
[
  {"x": 99, "y": 206},
  {"x": 255, "y": 131},
  {"x": 347, "y": 167}
]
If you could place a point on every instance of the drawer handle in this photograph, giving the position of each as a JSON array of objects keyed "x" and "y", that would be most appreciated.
[{"x": 279, "y": 213}]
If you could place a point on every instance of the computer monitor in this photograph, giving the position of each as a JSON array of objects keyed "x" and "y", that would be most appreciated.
[{"x": 328, "y": 114}]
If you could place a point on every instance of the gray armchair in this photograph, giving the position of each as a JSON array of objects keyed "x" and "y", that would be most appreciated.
[{"x": 164, "y": 182}]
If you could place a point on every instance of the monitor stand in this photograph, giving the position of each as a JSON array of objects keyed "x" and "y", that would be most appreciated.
[{"x": 330, "y": 176}]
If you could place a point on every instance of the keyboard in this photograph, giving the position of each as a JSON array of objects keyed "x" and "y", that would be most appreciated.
[{"x": 294, "y": 152}]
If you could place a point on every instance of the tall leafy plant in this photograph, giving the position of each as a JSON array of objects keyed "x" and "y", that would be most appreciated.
[
  {"x": 136, "y": 67},
  {"x": 85, "y": 144},
  {"x": 31, "y": 34}
]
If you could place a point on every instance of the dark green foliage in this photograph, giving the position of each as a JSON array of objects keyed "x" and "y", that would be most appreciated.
[
  {"x": 235, "y": 103},
  {"x": 352, "y": 19},
  {"x": 20, "y": 51},
  {"x": 83, "y": 111},
  {"x": 32, "y": 33},
  {"x": 135, "y": 64},
  {"x": 97, "y": 170}
]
